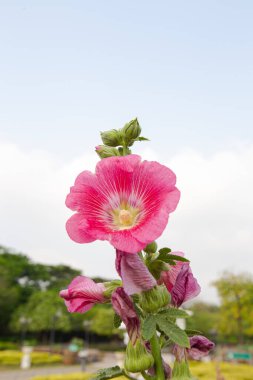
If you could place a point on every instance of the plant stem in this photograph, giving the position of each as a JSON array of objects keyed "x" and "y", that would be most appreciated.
[
  {"x": 156, "y": 352},
  {"x": 124, "y": 150}
]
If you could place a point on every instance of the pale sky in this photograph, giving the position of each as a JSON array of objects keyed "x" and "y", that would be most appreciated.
[{"x": 69, "y": 69}]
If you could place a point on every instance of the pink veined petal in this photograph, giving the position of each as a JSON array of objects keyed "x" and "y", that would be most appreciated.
[
  {"x": 82, "y": 294},
  {"x": 78, "y": 230},
  {"x": 186, "y": 286},
  {"x": 200, "y": 347},
  {"x": 134, "y": 273}
]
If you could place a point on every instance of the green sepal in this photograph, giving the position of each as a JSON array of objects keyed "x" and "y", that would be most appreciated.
[
  {"x": 172, "y": 312},
  {"x": 156, "y": 267},
  {"x": 116, "y": 321}
]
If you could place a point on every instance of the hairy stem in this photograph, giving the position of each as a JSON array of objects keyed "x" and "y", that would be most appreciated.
[{"x": 156, "y": 352}]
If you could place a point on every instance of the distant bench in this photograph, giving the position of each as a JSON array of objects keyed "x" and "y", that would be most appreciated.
[{"x": 240, "y": 356}]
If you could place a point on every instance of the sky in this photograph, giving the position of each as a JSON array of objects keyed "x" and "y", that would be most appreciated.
[{"x": 70, "y": 69}]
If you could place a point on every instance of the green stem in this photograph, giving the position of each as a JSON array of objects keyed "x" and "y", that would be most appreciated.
[
  {"x": 156, "y": 352},
  {"x": 124, "y": 150}
]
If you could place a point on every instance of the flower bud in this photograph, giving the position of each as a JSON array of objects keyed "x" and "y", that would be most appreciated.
[
  {"x": 112, "y": 137},
  {"x": 154, "y": 299},
  {"x": 131, "y": 131},
  {"x": 151, "y": 248},
  {"x": 181, "y": 371},
  {"x": 137, "y": 357},
  {"x": 110, "y": 286},
  {"x": 106, "y": 151}
]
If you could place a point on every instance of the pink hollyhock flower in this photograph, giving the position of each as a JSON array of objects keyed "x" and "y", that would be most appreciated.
[
  {"x": 200, "y": 346},
  {"x": 126, "y": 202},
  {"x": 124, "y": 307},
  {"x": 185, "y": 287},
  {"x": 134, "y": 273},
  {"x": 82, "y": 294}
]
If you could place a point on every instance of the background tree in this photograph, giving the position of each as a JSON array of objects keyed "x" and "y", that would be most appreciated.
[{"x": 236, "y": 316}]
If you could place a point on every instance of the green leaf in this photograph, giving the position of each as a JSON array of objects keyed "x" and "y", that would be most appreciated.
[
  {"x": 117, "y": 321},
  {"x": 108, "y": 373},
  {"x": 141, "y": 138},
  {"x": 178, "y": 258},
  {"x": 156, "y": 267},
  {"x": 149, "y": 327},
  {"x": 164, "y": 250},
  {"x": 172, "y": 331},
  {"x": 167, "y": 258},
  {"x": 172, "y": 312},
  {"x": 190, "y": 332}
]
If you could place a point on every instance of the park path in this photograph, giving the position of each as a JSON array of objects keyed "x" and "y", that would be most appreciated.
[{"x": 22, "y": 374}]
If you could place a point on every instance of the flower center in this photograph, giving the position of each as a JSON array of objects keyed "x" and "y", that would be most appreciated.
[{"x": 125, "y": 218}]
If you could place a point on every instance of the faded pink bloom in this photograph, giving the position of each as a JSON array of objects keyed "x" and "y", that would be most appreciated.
[
  {"x": 200, "y": 346},
  {"x": 126, "y": 202},
  {"x": 134, "y": 273},
  {"x": 185, "y": 287},
  {"x": 168, "y": 278},
  {"x": 124, "y": 307},
  {"x": 82, "y": 294}
]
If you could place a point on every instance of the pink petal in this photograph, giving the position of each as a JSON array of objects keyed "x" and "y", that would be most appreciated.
[
  {"x": 186, "y": 286},
  {"x": 134, "y": 273},
  {"x": 77, "y": 229},
  {"x": 169, "y": 277}
]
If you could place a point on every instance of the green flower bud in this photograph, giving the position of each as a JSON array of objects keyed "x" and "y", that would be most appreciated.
[
  {"x": 112, "y": 137},
  {"x": 131, "y": 131},
  {"x": 106, "y": 151},
  {"x": 151, "y": 248},
  {"x": 137, "y": 357},
  {"x": 110, "y": 286},
  {"x": 154, "y": 299},
  {"x": 181, "y": 371}
]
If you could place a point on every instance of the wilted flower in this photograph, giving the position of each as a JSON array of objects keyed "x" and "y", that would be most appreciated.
[
  {"x": 185, "y": 288},
  {"x": 126, "y": 202},
  {"x": 82, "y": 294},
  {"x": 168, "y": 278},
  {"x": 200, "y": 346},
  {"x": 124, "y": 307},
  {"x": 134, "y": 273}
]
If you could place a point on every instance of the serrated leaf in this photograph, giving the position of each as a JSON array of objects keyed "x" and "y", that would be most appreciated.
[
  {"x": 190, "y": 332},
  {"x": 149, "y": 327},
  {"x": 178, "y": 258},
  {"x": 108, "y": 373},
  {"x": 164, "y": 250},
  {"x": 172, "y": 312},
  {"x": 172, "y": 331},
  {"x": 117, "y": 321}
]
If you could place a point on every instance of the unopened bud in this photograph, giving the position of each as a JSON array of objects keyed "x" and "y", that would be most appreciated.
[
  {"x": 106, "y": 151},
  {"x": 110, "y": 286},
  {"x": 131, "y": 131},
  {"x": 154, "y": 299},
  {"x": 112, "y": 137},
  {"x": 137, "y": 358},
  {"x": 151, "y": 248},
  {"x": 181, "y": 371}
]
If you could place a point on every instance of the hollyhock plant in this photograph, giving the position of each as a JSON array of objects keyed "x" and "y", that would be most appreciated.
[
  {"x": 82, "y": 294},
  {"x": 127, "y": 202}
]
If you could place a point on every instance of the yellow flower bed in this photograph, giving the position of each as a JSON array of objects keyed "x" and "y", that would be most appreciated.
[
  {"x": 202, "y": 371},
  {"x": 13, "y": 358}
]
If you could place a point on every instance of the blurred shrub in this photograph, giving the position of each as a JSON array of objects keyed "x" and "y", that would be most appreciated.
[
  {"x": 8, "y": 346},
  {"x": 13, "y": 358}
]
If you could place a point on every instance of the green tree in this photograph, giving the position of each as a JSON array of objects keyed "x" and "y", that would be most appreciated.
[
  {"x": 205, "y": 318},
  {"x": 236, "y": 316}
]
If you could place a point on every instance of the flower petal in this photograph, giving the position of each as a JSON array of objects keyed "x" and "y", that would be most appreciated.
[
  {"x": 186, "y": 286},
  {"x": 77, "y": 229},
  {"x": 200, "y": 346},
  {"x": 134, "y": 273}
]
